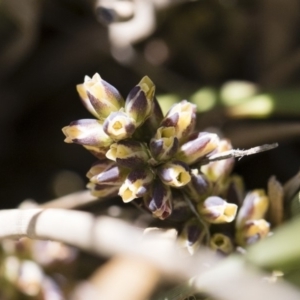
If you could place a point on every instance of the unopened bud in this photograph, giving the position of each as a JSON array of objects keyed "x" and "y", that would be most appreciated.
[
  {"x": 102, "y": 190},
  {"x": 199, "y": 187},
  {"x": 128, "y": 153},
  {"x": 86, "y": 132},
  {"x": 254, "y": 207},
  {"x": 118, "y": 125},
  {"x": 216, "y": 210},
  {"x": 139, "y": 102},
  {"x": 192, "y": 235},
  {"x": 136, "y": 184},
  {"x": 253, "y": 231},
  {"x": 99, "y": 97},
  {"x": 221, "y": 243},
  {"x": 220, "y": 169},
  {"x": 182, "y": 116},
  {"x": 164, "y": 144},
  {"x": 159, "y": 200},
  {"x": 99, "y": 152},
  {"x": 175, "y": 173},
  {"x": 234, "y": 190},
  {"x": 154, "y": 120},
  {"x": 111, "y": 175},
  {"x": 198, "y": 145},
  {"x": 181, "y": 210},
  {"x": 98, "y": 167}
]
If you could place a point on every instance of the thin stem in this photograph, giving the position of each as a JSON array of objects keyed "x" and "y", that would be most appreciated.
[
  {"x": 140, "y": 208},
  {"x": 194, "y": 211}
]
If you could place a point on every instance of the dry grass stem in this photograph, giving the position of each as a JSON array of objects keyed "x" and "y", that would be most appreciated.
[
  {"x": 71, "y": 201},
  {"x": 108, "y": 236},
  {"x": 240, "y": 153},
  {"x": 133, "y": 278}
]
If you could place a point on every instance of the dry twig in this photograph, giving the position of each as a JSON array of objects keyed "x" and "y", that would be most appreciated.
[{"x": 239, "y": 153}]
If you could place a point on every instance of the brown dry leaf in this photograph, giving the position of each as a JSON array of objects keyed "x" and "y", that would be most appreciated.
[{"x": 276, "y": 195}]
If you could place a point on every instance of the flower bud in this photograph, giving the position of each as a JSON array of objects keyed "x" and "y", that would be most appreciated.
[
  {"x": 111, "y": 175},
  {"x": 128, "y": 153},
  {"x": 198, "y": 145},
  {"x": 181, "y": 210},
  {"x": 159, "y": 200},
  {"x": 119, "y": 126},
  {"x": 102, "y": 190},
  {"x": 192, "y": 235},
  {"x": 253, "y": 231},
  {"x": 139, "y": 102},
  {"x": 199, "y": 187},
  {"x": 136, "y": 184},
  {"x": 154, "y": 120},
  {"x": 164, "y": 144},
  {"x": 233, "y": 191},
  {"x": 99, "y": 97},
  {"x": 254, "y": 207},
  {"x": 86, "y": 132},
  {"x": 175, "y": 173},
  {"x": 216, "y": 210},
  {"x": 99, "y": 152},
  {"x": 221, "y": 243},
  {"x": 182, "y": 116},
  {"x": 220, "y": 169},
  {"x": 98, "y": 167}
]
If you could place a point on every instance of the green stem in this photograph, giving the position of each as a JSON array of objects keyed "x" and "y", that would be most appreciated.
[{"x": 194, "y": 211}]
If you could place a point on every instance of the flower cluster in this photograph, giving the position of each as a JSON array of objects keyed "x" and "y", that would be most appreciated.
[
  {"x": 29, "y": 269},
  {"x": 162, "y": 160}
]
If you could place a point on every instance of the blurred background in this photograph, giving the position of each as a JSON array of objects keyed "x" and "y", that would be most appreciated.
[{"x": 238, "y": 60}]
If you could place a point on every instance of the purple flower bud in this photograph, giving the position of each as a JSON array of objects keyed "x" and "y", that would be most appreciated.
[
  {"x": 98, "y": 167},
  {"x": 192, "y": 235},
  {"x": 198, "y": 145},
  {"x": 175, "y": 173},
  {"x": 103, "y": 190},
  {"x": 158, "y": 201},
  {"x": 182, "y": 116},
  {"x": 181, "y": 210},
  {"x": 164, "y": 144},
  {"x": 99, "y": 152},
  {"x": 155, "y": 118},
  {"x": 254, "y": 207},
  {"x": 111, "y": 175},
  {"x": 139, "y": 102},
  {"x": 234, "y": 190},
  {"x": 199, "y": 187},
  {"x": 119, "y": 126},
  {"x": 88, "y": 132},
  {"x": 216, "y": 210},
  {"x": 136, "y": 184},
  {"x": 99, "y": 97},
  {"x": 128, "y": 153}
]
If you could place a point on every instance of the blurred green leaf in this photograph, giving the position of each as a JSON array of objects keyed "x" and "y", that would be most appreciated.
[{"x": 280, "y": 251}]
